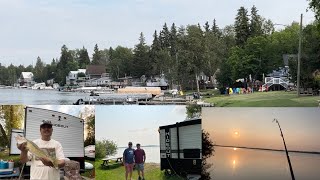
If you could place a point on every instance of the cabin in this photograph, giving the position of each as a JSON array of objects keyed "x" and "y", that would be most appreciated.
[
  {"x": 181, "y": 147},
  {"x": 72, "y": 78},
  {"x": 95, "y": 71},
  {"x": 26, "y": 79}
]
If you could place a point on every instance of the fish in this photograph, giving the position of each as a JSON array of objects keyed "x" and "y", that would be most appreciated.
[{"x": 35, "y": 150}]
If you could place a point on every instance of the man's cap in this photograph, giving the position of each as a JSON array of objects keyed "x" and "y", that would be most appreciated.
[{"x": 48, "y": 123}]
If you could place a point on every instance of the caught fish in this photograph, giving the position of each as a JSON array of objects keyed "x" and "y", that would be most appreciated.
[{"x": 34, "y": 149}]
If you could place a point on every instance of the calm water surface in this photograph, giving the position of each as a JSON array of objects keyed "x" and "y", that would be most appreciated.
[
  {"x": 152, "y": 154},
  {"x": 39, "y": 97},
  {"x": 243, "y": 164}
]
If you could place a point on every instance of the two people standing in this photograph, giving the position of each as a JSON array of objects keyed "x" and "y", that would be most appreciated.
[{"x": 133, "y": 158}]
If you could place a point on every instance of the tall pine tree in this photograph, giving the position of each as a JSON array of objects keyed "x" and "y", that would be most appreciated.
[
  {"x": 141, "y": 58},
  {"x": 97, "y": 58},
  {"x": 84, "y": 59},
  {"x": 165, "y": 37},
  {"x": 255, "y": 23},
  {"x": 241, "y": 26},
  {"x": 215, "y": 29}
]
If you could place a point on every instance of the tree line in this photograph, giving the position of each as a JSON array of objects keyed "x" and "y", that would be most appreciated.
[{"x": 248, "y": 48}]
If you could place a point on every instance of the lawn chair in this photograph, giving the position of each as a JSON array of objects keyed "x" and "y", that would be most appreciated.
[
  {"x": 310, "y": 91},
  {"x": 301, "y": 91}
]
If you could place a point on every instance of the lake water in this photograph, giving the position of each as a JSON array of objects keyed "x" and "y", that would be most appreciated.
[
  {"x": 244, "y": 164},
  {"x": 39, "y": 97},
  {"x": 256, "y": 128},
  {"x": 152, "y": 154}
]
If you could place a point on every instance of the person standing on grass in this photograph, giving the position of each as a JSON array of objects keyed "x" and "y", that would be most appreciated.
[
  {"x": 140, "y": 158},
  {"x": 128, "y": 160}
]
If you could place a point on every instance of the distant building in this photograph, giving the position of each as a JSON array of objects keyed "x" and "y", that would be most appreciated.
[
  {"x": 95, "y": 71},
  {"x": 72, "y": 78},
  {"x": 50, "y": 82},
  {"x": 26, "y": 79}
]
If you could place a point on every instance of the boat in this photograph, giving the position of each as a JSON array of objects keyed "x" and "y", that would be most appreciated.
[{"x": 41, "y": 86}]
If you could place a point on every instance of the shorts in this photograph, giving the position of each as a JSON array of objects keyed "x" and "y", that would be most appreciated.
[
  {"x": 140, "y": 167},
  {"x": 129, "y": 167}
]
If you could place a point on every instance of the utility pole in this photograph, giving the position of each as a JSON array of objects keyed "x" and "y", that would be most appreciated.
[
  {"x": 288, "y": 158},
  {"x": 299, "y": 57}
]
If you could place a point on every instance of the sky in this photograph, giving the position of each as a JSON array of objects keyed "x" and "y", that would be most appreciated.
[
  {"x": 253, "y": 127},
  {"x": 40, "y": 27},
  {"x": 138, "y": 124}
]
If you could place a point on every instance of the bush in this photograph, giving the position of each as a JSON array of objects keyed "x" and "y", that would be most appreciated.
[{"x": 105, "y": 148}]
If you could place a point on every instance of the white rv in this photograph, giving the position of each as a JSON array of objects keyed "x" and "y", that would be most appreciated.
[
  {"x": 13, "y": 144},
  {"x": 181, "y": 147},
  {"x": 67, "y": 129}
]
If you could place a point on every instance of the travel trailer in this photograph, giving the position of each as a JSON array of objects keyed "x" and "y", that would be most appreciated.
[{"x": 181, "y": 147}]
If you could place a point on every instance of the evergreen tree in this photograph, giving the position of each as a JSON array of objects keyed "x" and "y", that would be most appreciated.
[
  {"x": 241, "y": 26},
  {"x": 154, "y": 53},
  {"x": 255, "y": 23},
  {"x": 215, "y": 29},
  {"x": 206, "y": 27},
  {"x": 156, "y": 46},
  {"x": 84, "y": 59},
  {"x": 39, "y": 74},
  {"x": 97, "y": 58},
  {"x": 164, "y": 37},
  {"x": 173, "y": 41},
  {"x": 141, "y": 63}
]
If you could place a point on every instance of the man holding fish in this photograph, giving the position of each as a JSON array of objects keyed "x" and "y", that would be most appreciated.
[{"x": 46, "y": 154}]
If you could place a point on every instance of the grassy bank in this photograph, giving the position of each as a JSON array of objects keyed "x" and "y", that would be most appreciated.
[
  {"x": 264, "y": 99},
  {"x": 117, "y": 172}
]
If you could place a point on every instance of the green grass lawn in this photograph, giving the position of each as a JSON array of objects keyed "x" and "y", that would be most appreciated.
[
  {"x": 264, "y": 99},
  {"x": 117, "y": 172},
  {"x": 89, "y": 173}
]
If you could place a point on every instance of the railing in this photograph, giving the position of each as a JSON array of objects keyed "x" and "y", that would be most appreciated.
[{"x": 269, "y": 81}]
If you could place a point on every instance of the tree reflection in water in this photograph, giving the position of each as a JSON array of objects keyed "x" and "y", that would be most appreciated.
[{"x": 207, "y": 152}]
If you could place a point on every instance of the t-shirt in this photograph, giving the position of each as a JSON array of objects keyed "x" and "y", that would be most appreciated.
[
  {"x": 38, "y": 170},
  {"x": 138, "y": 155},
  {"x": 128, "y": 155}
]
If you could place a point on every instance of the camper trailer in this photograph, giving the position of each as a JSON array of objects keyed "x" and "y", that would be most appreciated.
[
  {"x": 181, "y": 147},
  {"x": 13, "y": 144}
]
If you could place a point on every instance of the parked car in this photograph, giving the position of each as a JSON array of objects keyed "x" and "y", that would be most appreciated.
[{"x": 89, "y": 151}]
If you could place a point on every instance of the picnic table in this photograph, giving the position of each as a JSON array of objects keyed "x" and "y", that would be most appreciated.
[{"x": 106, "y": 161}]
